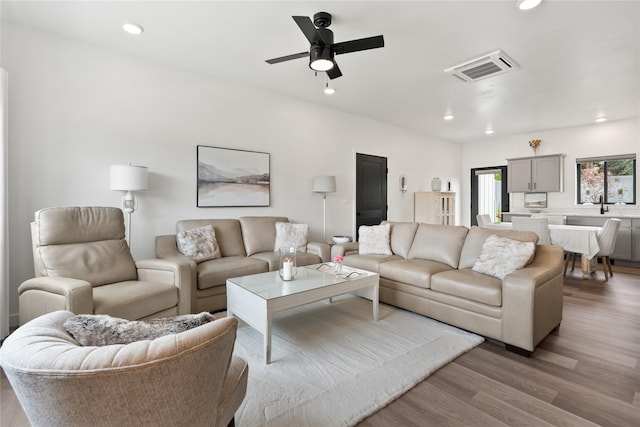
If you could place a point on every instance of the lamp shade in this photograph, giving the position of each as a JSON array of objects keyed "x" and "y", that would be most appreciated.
[
  {"x": 324, "y": 184},
  {"x": 129, "y": 178}
]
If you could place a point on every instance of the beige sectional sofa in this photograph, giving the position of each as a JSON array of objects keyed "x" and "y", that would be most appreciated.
[
  {"x": 247, "y": 247},
  {"x": 430, "y": 272}
]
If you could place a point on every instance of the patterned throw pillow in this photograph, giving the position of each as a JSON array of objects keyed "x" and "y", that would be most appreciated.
[
  {"x": 501, "y": 256},
  {"x": 291, "y": 236},
  {"x": 374, "y": 239},
  {"x": 100, "y": 329},
  {"x": 199, "y": 244}
]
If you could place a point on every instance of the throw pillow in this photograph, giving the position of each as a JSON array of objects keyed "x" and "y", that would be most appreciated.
[
  {"x": 374, "y": 239},
  {"x": 290, "y": 235},
  {"x": 101, "y": 329},
  {"x": 199, "y": 244},
  {"x": 500, "y": 256}
]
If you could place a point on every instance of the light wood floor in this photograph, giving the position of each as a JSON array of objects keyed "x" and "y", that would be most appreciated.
[{"x": 587, "y": 373}]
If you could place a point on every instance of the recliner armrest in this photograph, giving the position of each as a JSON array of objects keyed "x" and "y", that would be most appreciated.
[
  {"x": 78, "y": 294},
  {"x": 169, "y": 271},
  {"x": 344, "y": 249},
  {"x": 323, "y": 250}
]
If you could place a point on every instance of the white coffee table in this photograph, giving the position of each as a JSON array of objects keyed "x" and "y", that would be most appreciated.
[{"x": 255, "y": 298}]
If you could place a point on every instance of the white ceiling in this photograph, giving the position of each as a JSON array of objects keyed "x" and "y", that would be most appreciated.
[{"x": 579, "y": 59}]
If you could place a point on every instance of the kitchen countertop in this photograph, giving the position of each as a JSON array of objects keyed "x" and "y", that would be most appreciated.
[{"x": 614, "y": 214}]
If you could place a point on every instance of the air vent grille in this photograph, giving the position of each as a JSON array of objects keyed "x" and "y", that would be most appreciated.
[{"x": 494, "y": 63}]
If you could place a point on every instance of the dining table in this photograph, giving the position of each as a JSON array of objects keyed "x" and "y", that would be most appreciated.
[{"x": 580, "y": 239}]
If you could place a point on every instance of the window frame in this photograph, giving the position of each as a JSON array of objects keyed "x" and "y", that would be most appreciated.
[{"x": 605, "y": 160}]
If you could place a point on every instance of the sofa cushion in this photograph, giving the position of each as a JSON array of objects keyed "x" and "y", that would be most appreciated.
[
  {"x": 215, "y": 272},
  {"x": 440, "y": 243},
  {"x": 374, "y": 239},
  {"x": 199, "y": 244},
  {"x": 102, "y": 329},
  {"x": 368, "y": 262},
  {"x": 227, "y": 231},
  {"x": 402, "y": 234},
  {"x": 501, "y": 256},
  {"x": 58, "y": 226},
  {"x": 470, "y": 285},
  {"x": 273, "y": 259},
  {"x": 290, "y": 235},
  {"x": 476, "y": 237},
  {"x": 259, "y": 233},
  {"x": 416, "y": 272},
  {"x": 134, "y": 299}
]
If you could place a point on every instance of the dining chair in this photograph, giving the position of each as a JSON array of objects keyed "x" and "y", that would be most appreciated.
[
  {"x": 539, "y": 226},
  {"x": 483, "y": 219},
  {"x": 607, "y": 242}
]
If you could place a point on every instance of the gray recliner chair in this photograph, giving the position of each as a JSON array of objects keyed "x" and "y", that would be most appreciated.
[
  {"x": 83, "y": 264},
  {"x": 190, "y": 378}
]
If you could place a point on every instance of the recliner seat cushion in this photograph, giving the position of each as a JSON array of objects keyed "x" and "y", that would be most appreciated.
[
  {"x": 369, "y": 262},
  {"x": 134, "y": 299},
  {"x": 215, "y": 272},
  {"x": 416, "y": 272}
]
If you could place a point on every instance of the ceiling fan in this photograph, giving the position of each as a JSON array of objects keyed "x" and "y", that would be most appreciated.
[{"x": 323, "y": 49}]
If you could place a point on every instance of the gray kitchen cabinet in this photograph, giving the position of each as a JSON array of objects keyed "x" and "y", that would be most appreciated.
[
  {"x": 540, "y": 174},
  {"x": 635, "y": 239}
]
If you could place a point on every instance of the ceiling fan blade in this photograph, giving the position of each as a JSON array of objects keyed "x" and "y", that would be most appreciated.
[
  {"x": 335, "y": 72},
  {"x": 308, "y": 29},
  {"x": 358, "y": 45},
  {"x": 288, "y": 58}
]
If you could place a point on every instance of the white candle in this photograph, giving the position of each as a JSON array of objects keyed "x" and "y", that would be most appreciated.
[{"x": 287, "y": 269}]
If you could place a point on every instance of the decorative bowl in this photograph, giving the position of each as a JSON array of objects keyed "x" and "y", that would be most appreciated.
[{"x": 341, "y": 239}]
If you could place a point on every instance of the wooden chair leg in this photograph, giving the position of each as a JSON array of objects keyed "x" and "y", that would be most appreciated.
[
  {"x": 567, "y": 255},
  {"x": 573, "y": 266},
  {"x": 609, "y": 264}
]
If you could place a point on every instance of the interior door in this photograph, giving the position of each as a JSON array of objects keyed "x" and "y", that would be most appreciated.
[{"x": 371, "y": 190}]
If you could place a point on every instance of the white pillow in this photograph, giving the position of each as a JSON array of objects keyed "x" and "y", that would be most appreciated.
[
  {"x": 374, "y": 239},
  {"x": 501, "y": 256},
  {"x": 199, "y": 244},
  {"x": 291, "y": 236}
]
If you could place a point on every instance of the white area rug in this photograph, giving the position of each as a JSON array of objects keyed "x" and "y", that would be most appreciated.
[{"x": 332, "y": 365}]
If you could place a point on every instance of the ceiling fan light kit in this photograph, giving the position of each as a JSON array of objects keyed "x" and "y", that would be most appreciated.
[
  {"x": 322, "y": 49},
  {"x": 527, "y": 4}
]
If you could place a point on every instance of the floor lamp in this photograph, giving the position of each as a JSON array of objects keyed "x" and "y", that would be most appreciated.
[
  {"x": 129, "y": 178},
  {"x": 324, "y": 184}
]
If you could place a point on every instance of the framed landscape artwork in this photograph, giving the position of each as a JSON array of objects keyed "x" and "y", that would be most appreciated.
[
  {"x": 535, "y": 200},
  {"x": 229, "y": 177}
]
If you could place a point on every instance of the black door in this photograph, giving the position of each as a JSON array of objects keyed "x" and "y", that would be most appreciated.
[
  {"x": 489, "y": 192},
  {"x": 371, "y": 190}
]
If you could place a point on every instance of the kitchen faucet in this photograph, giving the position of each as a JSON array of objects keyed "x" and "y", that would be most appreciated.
[{"x": 602, "y": 210}]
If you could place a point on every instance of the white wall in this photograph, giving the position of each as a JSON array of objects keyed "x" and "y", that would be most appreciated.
[
  {"x": 75, "y": 109},
  {"x": 599, "y": 139}
]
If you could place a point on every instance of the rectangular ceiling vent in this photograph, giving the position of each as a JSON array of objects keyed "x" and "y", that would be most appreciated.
[{"x": 489, "y": 65}]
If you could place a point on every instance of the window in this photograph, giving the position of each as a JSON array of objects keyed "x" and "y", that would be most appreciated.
[{"x": 613, "y": 178}]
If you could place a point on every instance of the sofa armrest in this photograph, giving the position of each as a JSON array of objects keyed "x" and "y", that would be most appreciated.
[
  {"x": 532, "y": 299},
  {"x": 344, "y": 249},
  {"x": 76, "y": 294},
  {"x": 169, "y": 271},
  {"x": 323, "y": 250}
]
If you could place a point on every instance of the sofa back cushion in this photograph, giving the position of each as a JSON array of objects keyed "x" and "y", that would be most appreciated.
[
  {"x": 85, "y": 243},
  {"x": 440, "y": 243},
  {"x": 259, "y": 233},
  {"x": 227, "y": 232},
  {"x": 402, "y": 234},
  {"x": 476, "y": 237}
]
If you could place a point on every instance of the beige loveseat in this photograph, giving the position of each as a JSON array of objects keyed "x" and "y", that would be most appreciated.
[
  {"x": 247, "y": 247},
  {"x": 430, "y": 272}
]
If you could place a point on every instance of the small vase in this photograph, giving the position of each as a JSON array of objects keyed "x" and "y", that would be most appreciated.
[
  {"x": 436, "y": 184},
  {"x": 338, "y": 268}
]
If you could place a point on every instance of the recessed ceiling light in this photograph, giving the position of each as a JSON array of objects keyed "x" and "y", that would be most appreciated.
[
  {"x": 527, "y": 4},
  {"x": 601, "y": 119},
  {"x": 132, "y": 28},
  {"x": 448, "y": 117},
  {"x": 488, "y": 131},
  {"x": 328, "y": 89}
]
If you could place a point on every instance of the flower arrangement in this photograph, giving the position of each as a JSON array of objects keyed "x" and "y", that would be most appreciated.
[
  {"x": 338, "y": 259},
  {"x": 534, "y": 144}
]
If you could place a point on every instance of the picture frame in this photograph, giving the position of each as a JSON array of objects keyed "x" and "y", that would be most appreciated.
[
  {"x": 228, "y": 177},
  {"x": 535, "y": 200}
]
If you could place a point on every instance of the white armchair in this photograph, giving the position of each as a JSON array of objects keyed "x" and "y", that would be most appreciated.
[{"x": 83, "y": 264}]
